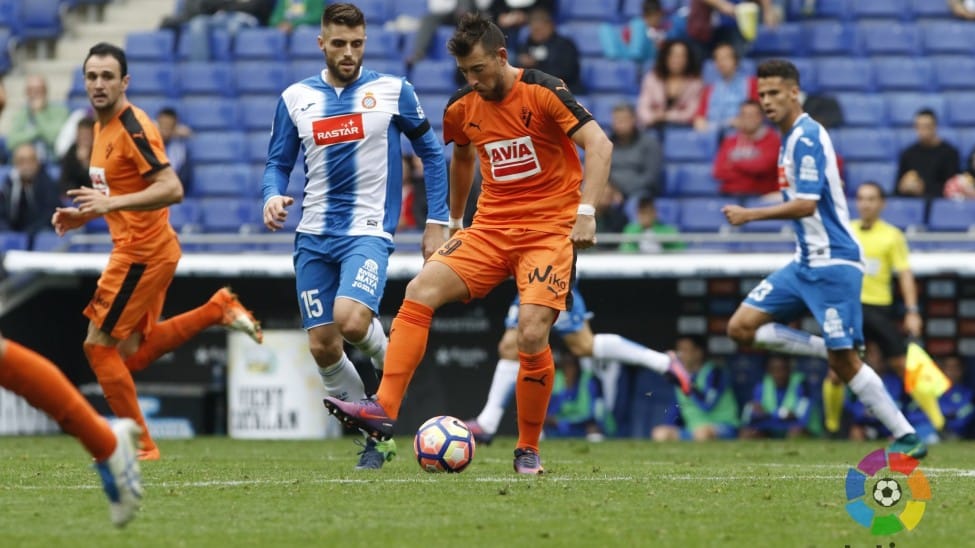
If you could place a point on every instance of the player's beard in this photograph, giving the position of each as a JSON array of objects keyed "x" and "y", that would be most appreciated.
[
  {"x": 336, "y": 70},
  {"x": 495, "y": 93}
]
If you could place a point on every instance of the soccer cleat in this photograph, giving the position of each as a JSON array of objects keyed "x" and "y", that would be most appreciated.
[
  {"x": 235, "y": 316},
  {"x": 375, "y": 453},
  {"x": 910, "y": 445},
  {"x": 121, "y": 479},
  {"x": 677, "y": 374},
  {"x": 149, "y": 454},
  {"x": 527, "y": 461},
  {"x": 480, "y": 434},
  {"x": 366, "y": 415}
]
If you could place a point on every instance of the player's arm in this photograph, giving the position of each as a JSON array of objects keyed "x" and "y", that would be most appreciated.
[
  {"x": 463, "y": 162},
  {"x": 793, "y": 209},
  {"x": 282, "y": 151},
  {"x": 595, "y": 175}
]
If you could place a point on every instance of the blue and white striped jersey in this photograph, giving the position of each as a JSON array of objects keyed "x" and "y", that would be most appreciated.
[
  {"x": 808, "y": 170},
  {"x": 353, "y": 162}
]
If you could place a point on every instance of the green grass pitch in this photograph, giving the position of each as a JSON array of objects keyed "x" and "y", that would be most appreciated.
[{"x": 222, "y": 492}]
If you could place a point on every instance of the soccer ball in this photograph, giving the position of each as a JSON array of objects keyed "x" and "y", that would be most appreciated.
[
  {"x": 443, "y": 444},
  {"x": 886, "y": 492}
]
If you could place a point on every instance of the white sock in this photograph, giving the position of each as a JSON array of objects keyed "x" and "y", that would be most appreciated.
[
  {"x": 502, "y": 385},
  {"x": 342, "y": 381},
  {"x": 613, "y": 347},
  {"x": 785, "y": 340},
  {"x": 609, "y": 376},
  {"x": 374, "y": 344},
  {"x": 868, "y": 387}
]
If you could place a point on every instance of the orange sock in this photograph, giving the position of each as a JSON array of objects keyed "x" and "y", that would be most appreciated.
[
  {"x": 172, "y": 333},
  {"x": 117, "y": 384},
  {"x": 407, "y": 343},
  {"x": 44, "y": 386},
  {"x": 532, "y": 393}
]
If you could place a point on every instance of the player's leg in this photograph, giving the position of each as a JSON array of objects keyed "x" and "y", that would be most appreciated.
[
  {"x": 363, "y": 262},
  {"x": 834, "y": 395},
  {"x": 536, "y": 377},
  {"x": 502, "y": 383}
]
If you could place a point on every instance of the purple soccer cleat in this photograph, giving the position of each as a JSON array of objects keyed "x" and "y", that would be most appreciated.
[
  {"x": 366, "y": 415},
  {"x": 527, "y": 461},
  {"x": 677, "y": 375},
  {"x": 480, "y": 434}
]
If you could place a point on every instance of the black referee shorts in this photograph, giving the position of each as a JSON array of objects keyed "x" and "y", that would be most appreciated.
[{"x": 879, "y": 326}]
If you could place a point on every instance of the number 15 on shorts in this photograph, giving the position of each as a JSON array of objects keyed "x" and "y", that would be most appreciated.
[{"x": 312, "y": 304}]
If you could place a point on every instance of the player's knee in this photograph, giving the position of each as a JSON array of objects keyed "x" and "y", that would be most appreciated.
[
  {"x": 740, "y": 332},
  {"x": 532, "y": 336},
  {"x": 325, "y": 352}
]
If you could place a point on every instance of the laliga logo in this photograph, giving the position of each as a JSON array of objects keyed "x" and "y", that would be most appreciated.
[{"x": 892, "y": 479}]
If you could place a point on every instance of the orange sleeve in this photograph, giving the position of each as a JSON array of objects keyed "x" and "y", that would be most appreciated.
[
  {"x": 453, "y": 119},
  {"x": 561, "y": 105},
  {"x": 145, "y": 145}
]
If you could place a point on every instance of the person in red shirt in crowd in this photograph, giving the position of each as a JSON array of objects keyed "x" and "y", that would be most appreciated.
[{"x": 747, "y": 160}]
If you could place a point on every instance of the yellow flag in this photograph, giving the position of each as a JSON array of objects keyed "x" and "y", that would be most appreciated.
[{"x": 922, "y": 374}]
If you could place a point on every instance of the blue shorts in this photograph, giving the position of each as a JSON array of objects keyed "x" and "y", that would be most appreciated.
[
  {"x": 830, "y": 293},
  {"x": 568, "y": 321},
  {"x": 722, "y": 430},
  {"x": 328, "y": 267}
]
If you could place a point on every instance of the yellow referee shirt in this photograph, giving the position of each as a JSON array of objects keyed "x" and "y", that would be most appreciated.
[{"x": 885, "y": 250}]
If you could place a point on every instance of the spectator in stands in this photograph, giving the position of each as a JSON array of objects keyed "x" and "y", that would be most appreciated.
[
  {"x": 204, "y": 16},
  {"x": 28, "y": 196},
  {"x": 573, "y": 409},
  {"x": 964, "y": 9},
  {"x": 956, "y": 404},
  {"x": 863, "y": 424},
  {"x": 928, "y": 163},
  {"x": 671, "y": 92},
  {"x": 174, "y": 136},
  {"x": 637, "y": 156},
  {"x": 747, "y": 161},
  {"x": 440, "y": 12},
  {"x": 711, "y": 411},
  {"x": 550, "y": 52},
  {"x": 782, "y": 405},
  {"x": 289, "y": 14},
  {"x": 712, "y": 22},
  {"x": 74, "y": 164},
  {"x": 721, "y": 100},
  {"x": 639, "y": 39},
  {"x": 648, "y": 225},
  {"x": 610, "y": 214},
  {"x": 39, "y": 122},
  {"x": 511, "y": 15}
]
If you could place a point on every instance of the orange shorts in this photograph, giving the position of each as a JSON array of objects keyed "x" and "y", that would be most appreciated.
[
  {"x": 130, "y": 296},
  {"x": 543, "y": 264}
]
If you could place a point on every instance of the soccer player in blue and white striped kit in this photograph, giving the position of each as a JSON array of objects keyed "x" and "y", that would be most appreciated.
[
  {"x": 348, "y": 120},
  {"x": 827, "y": 272}
]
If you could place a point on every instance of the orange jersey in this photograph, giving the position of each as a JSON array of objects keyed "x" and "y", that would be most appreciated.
[
  {"x": 529, "y": 163},
  {"x": 125, "y": 151}
]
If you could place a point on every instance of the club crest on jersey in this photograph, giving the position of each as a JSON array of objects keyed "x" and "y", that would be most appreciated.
[
  {"x": 338, "y": 129},
  {"x": 369, "y": 101},
  {"x": 512, "y": 159},
  {"x": 98, "y": 180},
  {"x": 783, "y": 181}
]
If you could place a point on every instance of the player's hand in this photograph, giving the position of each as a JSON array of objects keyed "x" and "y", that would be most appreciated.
[
  {"x": 434, "y": 236},
  {"x": 584, "y": 232},
  {"x": 736, "y": 214},
  {"x": 913, "y": 324},
  {"x": 67, "y": 218},
  {"x": 90, "y": 202},
  {"x": 275, "y": 213}
]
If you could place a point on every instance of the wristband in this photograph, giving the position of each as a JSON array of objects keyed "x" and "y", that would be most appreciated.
[
  {"x": 586, "y": 209},
  {"x": 913, "y": 309},
  {"x": 457, "y": 223}
]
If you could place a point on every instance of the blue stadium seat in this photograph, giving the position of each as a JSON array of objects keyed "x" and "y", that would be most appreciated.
[
  {"x": 702, "y": 214},
  {"x": 257, "y": 112},
  {"x": 260, "y": 43},
  {"x": 965, "y": 140},
  {"x": 431, "y": 76},
  {"x": 413, "y": 8},
  {"x": 785, "y": 39},
  {"x": 207, "y": 114},
  {"x": 947, "y": 37},
  {"x": 886, "y": 37},
  {"x": 376, "y": 11},
  {"x": 218, "y": 147},
  {"x": 883, "y": 173},
  {"x": 220, "y": 46},
  {"x": 604, "y": 76},
  {"x": 13, "y": 240},
  {"x": 668, "y": 210},
  {"x": 305, "y": 68},
  {"x": 433, "y": 106},
  {"x": 304, "y": 43},
  {"x": 228, "y": 214},
  {"x": 904, "y": 213},
  {"x": 954, "y": 72},
  {"x": 382, "y": 43},
  {"x": 691, "y": 180},
  {"x": 903, "y": 106},
  {"x": 961, "y": 108},
  {"x": 864, "y": 144},
  {"x": 257, "y": 142},
  {"x": 829, "y": 37},
  {"x": 952, "y": 215},
  {"x": 687, "y": 145},
  {"x": 224, "y": 180},
  {"x": 207, "y": 79},
  {"x": 828, "y": 9},
  {"x": 863, "y": 109},
  {"x": 39, "y": 20},
  {"x": 47, "y": 240},
  {"x": 586, "y": 10},
  {"x": 257, "y": 77},
  {"x": 158, "y": 79},
  {"x": 185, "y": 216},
  {"x": 10, "y": 15},
  {"x": 394, "y": 67},
  {"x": 585, "y": 35},
  {"x": 151, "y": 46},
  {"x": 894, "y": 9},
  {"x": 844, "y": 73},
  {"x": 903, "y": 73},
  {"x": 151, "y": 104},
  {"x": 927, "y": 8}
]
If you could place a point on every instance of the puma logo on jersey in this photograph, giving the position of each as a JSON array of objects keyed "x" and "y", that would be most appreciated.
[
  {"x": 539, "y": 380},
  {"x": 338, "y": 129},
  {"x": 512, "y": 159},
  {"x": 472, "y": 124}
]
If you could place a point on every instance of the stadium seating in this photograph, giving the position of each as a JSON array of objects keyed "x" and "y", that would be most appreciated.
[
  {"x": 208, "y": 79},
  {"x": 151, "y": 46},
  {"x": 902, "y": 73},
  {"x": 885, "y": 37},
  {"x": 954, "y": 72},
  {"x": 586, "y": 10},
  {"x": 687, "y": 145},
  {"x": 940, "y": 37},
  {"x": 13, "y": 240},
  {"x": 261, "y": 78},
  {"x": 228, "y": 214},
  {"x": 702, "y": 214},
  {"x": 844, "y": 74},
  {"x": 220, "y": 46},
  {"x": 218, "y": 147},
  {"x": 829, "y": 38},
  {"x": 961, "y": 108},
  {"x": 952, "y": 215},
  {"x": 903, "y": 106},
  {"x": 382, "y": 44},
  {"x": 304, "y": 43},
  {"x": 153, "y": 79},
  {"x": 904, "y": 213},
  {"x": 207, "y": 114},
  {"x": 233, "y": 180},
  {"x": 432, "y": 76},
  {"x": 785, "y": 39},
  {"x": 257, "y": 112},
  {"x": 185, "y": 216},
  {"x": 690, "y": 180},
  {"x": 586, "y": 37},
  {"x": 927, "y": 8},
  {"x": 863, "y": 109},
  {"x": 864, "y": 144},
  {"x": 604, "y": 76},
  {"x": 266, "y": 44},
  {"x": 894, "y": 9},
  {"x": 39, "y": 20},
  {"x": 376, "y": 11},
  {"x": 883, "y": 173}
]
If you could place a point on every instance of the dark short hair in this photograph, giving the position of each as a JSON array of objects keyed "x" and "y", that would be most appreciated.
[
  {"x": 876, "y": 185},
  {"x": 645, "y": 200},
  {"x": 624, "y": 106},
  {"x": 727, "y": 45},
  {"x": 778, "y": 68},
  {"x": 347, "y": 15},
  {"x": 102, "y": 49},
  {"x": 660, "y": 65},
  {"x": 927, "y": 112},
  {"x": 167, "y": 111},
  {"x": 473, "y": 29}
]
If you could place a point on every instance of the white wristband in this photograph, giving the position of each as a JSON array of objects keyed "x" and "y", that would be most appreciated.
[
  {"x": 586, "y": 209},
  {"x": 455, "y": 223}
]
